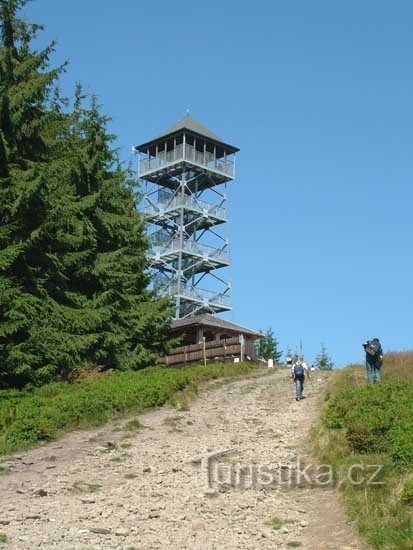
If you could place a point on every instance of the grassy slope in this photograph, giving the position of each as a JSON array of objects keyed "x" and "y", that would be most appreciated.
[
  {"x": 27, "y": 418},
  {"x": 367, "y": 426}
]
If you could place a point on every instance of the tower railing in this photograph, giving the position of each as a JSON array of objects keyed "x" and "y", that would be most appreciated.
[
  {"x": 187, "y": 201},
  {"x": 200, "y": 295},
  {"x": 192, "y": 247},
  {"x": 188, "y": 153}
]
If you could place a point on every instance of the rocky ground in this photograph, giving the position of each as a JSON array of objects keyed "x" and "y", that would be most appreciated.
[{"x": 123, "y": 487}]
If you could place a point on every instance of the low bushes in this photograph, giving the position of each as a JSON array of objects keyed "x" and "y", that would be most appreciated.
[
  {"x": 376, "y": 419},
  {"x": 41, "y": 414},
  {"x": 372, "y": 425}
]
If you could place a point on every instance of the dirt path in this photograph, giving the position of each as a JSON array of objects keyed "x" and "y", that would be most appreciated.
[{"x": 113, "y": 488}]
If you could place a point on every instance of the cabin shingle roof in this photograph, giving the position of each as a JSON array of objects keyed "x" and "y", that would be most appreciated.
[{"x": 212, "y": 321}]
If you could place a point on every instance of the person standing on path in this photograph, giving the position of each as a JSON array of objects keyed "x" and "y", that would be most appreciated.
[
  {"x": 298, "y": 372},
  {"x": 374, "y": 360}
]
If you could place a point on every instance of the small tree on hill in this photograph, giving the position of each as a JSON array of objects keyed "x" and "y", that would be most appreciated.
[
  {"x": 268, "y": 347},
  {"x": 323, "y": 361}
]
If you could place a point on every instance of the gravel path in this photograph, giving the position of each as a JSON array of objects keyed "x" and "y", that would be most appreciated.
[{"x": 152, "y": 488}]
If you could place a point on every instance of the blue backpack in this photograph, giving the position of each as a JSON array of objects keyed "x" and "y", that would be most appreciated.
[{"x": 299, "y": 370}]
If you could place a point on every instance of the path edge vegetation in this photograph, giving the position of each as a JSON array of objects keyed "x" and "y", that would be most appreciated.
[
  {"x": 31, "y": 417},
  {"x": 371, "y": 426}
]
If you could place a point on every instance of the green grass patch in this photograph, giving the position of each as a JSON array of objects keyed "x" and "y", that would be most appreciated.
[
  {"x": 133, "y": 425},
  {"x": 363, "y": 426},
  {"x": 3, "y": 538},
  {"x": 276, "y": 522},
  {"x": 43, "y": 414}
]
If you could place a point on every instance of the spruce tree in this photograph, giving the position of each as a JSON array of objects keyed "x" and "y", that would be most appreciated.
[
  {"x": 268, "y": 347},
  {"x": 323, "y": 361},
  {"x": 115, "y": 278},
  {"x": 72, "y": 248},
  {"x": 34, "y": 208}
]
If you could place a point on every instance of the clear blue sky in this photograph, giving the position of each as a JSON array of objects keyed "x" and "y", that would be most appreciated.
[{"x": 318, "y": 97}]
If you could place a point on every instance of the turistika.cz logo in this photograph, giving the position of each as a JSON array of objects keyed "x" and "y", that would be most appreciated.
[{"x": 220, "y": 473}]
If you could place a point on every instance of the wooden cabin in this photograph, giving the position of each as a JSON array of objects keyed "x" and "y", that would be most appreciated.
[{"x": 207, "y": 337}]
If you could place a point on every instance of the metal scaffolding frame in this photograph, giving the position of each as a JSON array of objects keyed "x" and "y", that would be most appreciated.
[{"x": 183, "y": 172}]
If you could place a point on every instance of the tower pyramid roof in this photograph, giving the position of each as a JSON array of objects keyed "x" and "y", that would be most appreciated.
[{"x": 189, "y": 123}]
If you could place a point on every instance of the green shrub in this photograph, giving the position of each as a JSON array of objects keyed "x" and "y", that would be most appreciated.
[
  {"x": 401, "y": 443},
  {"x": 370, "y": 425},
  {"x": 375, "y": 419},
  {"x": 407, "y": 493},
  {"x": 41, "y": 414}
]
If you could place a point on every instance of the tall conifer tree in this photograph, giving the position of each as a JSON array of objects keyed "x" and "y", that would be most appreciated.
[
  {"x": 115, "y": 277},
  {"x": 69, "y": 231},
  {"x": 28, "y": 211}
]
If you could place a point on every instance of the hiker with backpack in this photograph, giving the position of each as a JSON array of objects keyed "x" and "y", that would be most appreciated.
[
  {"x": 374, "y": 360},
  {"x": 298, "y": 372}
]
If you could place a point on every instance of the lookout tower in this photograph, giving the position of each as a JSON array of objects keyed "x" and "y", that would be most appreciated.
[{"x": 185, "y": 172}]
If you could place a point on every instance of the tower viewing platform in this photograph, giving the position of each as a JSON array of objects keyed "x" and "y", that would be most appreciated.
[{"x": 185, "y": 172}]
